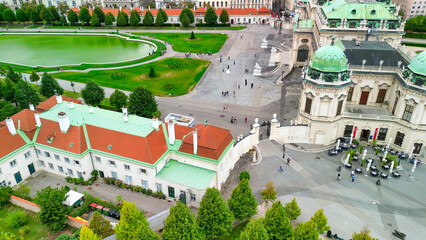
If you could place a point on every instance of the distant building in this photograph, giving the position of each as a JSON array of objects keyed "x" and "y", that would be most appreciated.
[
  {"x": 412, "y": 8},
  {"x": 15, "y": 4}
]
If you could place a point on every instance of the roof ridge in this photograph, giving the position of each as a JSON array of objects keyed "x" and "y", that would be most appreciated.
[{"x": 148, "y": 147}]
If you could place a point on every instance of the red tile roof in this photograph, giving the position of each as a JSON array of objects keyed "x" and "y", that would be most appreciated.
[
  {"x": 26, "y": 119},
  {"x": 145, "y": 149},
  {"x": 9, "y": 142},
  {"x": 50, "y": 102},
  {"x": 169, "y": 12},
  {"x": 200, "y": 10},
  {"x": 72, "y": 141}
]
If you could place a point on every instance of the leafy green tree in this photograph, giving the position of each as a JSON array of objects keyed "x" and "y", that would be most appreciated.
[
  {"x": 118, "y": 99},
  {"x": 25, "y": 94},
  {"x": 92, "y": 94},
  {"x": 62, "y": 8},
  {"x": 269, "y": 193},
  {"x": 109, "y": 19},
  {"x": 148, "y": 18},
  {"x": 21, "y": 15},
  {"x": 306, "y": 231},
  {"x": 12, "y": 75},
  {"x": 189, "y": 13},
  {"x": 100, "y": 226},
  {"x": 8, "y": 90},
  {"x": 292, "y": 209},
  {"x": 364, "y": 234},
  {"x": 211, "y": 16},
  {"x": 126, "y": 17},
  {"x": 3, "y": 71},
  {"x": 7, "y": 110},
  {"x": 224, "y": 17},
  {"x": 46, "y": 15},
  {"x": 163, "y": 14},
  {"x": 8, "y": 15},
  {"x": 254, "y": 230},
  {"x": 244, "y": 174},
  {"x": 180, "y": 224},
  {"x": 84, "y": 15},
  {"x": 34, "y": 77},
  {"x": 52, "y": 211},
  {"x": 192, "y": 35},
  {"x": 121, "y": 21},
  {"x": 214, "y": 217},
  {"x": 49, "y": 86},
  {"x": 185, "y": 21},
  {"x": 321, "y": 221},
  {"x": 417, "y": 24},
  {"x": 32, "y": 14},
  {"x": 5, "y": 193},
  {"x": 276, "y": 222},
  {"x": 87, "y": 234},
  {"x": 72, "y": 16},
  {"x": 159, "y": 20},
  {"x": 152, "y": 72},
  {"x": 142, "y": 102},
  {"x": 2, "y": 8},
  {"x": 9, "y": 236},
  {"x": 242, "y": 202},
  {"x": 16, "y": 219},
  {"x": 38, "y": 9},
  {"x": 94, "y": 21},
  {"x": 54, "y": 12},
  {"x": 134, "y": 20},
  {"x": 133, "y": 224},
  {"x": 100, "y": 14}
]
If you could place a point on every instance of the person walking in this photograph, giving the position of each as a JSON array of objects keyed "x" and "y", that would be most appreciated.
[
  {"x": 245, "y": 82},
  {"x": 283, "y": 147},
  {"x": 283, "y": 154},
  {"x": 353, "y": 178},
  {"x": 281, "y": 169},
  {"x": 245, "y": 119},
  {"x": 252, "y": 85},
  {"x": 338, "y": 177},
  {"x": 288, "y": 161}
]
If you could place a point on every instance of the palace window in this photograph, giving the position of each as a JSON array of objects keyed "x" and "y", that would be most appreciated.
[
  {"x": 350, "y": 94},
  {"x": 399, "y": 138},
  {"x": 308, "y": 105},
  {"x": 27, "y": 154},
  {"x": 408, "y": 112},
  {"x": 381, "y": 96},
  {"x": 348, "y": 130},
  {"x": 60, "y": 169},
  {"x": 339, "y": 108},
  {"x": 382, "y": 134},
  {"x": 145, "y": 184},
  {"x": 13, "y": 163}
]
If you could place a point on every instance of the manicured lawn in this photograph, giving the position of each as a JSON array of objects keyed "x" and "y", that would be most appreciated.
[
  {"x": 236, "y": 231},
  {"x": 176, "y": 76},
  {"x": 411, "y": 44},
  {"x": 37, "y": 230},
  {"x": 204, "y": 43}
]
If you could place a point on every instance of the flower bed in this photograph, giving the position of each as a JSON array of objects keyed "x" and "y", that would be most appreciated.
[{"x": 134, "y": 188}]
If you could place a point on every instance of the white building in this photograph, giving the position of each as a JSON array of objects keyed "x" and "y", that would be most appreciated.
[{"x": 70, "y": 139}]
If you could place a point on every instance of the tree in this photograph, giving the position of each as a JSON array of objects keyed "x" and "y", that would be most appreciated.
[
  {"x": 126, "y": 17},
  {"x": 152, "y": 72},
  {"x": 192, "y": 35},
  {"x": 214, "y": 217},
  {"x": 321, "y": 221},
  {"x": 244, "y": 174},
  {"x": 180, "y": 224},
  {"x": 142, "y": 102},
  {"x": 118, "y": 99},
  {"x": 72, "y": 16},
  {"x": 21, "y": 15},
  {"x": 306, "y": 231},
  {"x": 46, "y": 15},
  {"x": 292, "y": 209},
  {"x": 254, "y": 230},
  {"x": 12, "y": 75},
  {"x": 38, "y": 10},
  {"x": 269, "y": 193},
  {"x": 94, "y": 21},
  {"x": 242, "y": 202},
  {"x": 189, "y": 13},
  {"x": 25, "y": 94},
  {"x": 52, "y": 211},
  {"x": 211, "y": 16},
  {"x": 8, "y": 15},
  {"x": 109, "y": 19},
  {"x": 84, "y": 15},
  {"x": 224, "y": 17},
  {"x": 5, "y": 193},
  {"x": 163, "y": 14},
  {"x": 2, "y": 8},
  {"x": 49, "y": 86},
  {"x": 133, "y": 224},
  {"x": 32, "y": 14},
  {"x": 63, "y": 8},
  {"x": 121, "y": 21},
  {"x": 159, "y": 20},
  {"x": 100, "y": 226},
  {"x": 148, "y": 19},
  {"x": 7, "y": 110},
  {"x": 87, "y": 234},
  {"x": 54, "y": 12},
  {"x": 8, "y": 90},
  {"x": 100, "y": 14},
  {"x": 92, "y": 94},
  {"x": 185, "y": 21},
  {"x": 134, "y": 20},
  {"x": 34, "y": 77},
  {"x": 276, "y": 222},
  {"x": 364, "y": 234}
]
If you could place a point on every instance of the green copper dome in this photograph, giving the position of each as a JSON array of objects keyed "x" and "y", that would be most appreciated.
[
  {"x": 418, "y": 64},
  {"x": 329, "y": 58}
]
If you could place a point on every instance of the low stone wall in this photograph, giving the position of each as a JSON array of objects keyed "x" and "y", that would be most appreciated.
[{"x": 75, "y": 223}]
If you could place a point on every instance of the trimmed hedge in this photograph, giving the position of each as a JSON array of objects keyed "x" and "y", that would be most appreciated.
[
  {"x": 412, "y": 44},
  {"x": 213, "y": 25},
  {"x": 88, "y": 199},
  {"x": 415, "y": 35}
]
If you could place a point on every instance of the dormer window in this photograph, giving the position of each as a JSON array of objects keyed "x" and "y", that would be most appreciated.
[
  {"x": 373, "y": 12},
  {"x": 353, "y": 11}
]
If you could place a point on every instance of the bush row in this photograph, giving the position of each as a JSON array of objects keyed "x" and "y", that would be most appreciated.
[
  {"x": 213, "y": 25},
  {"x": 88, "y": 199},
  {"x": 134, "y": 188}
]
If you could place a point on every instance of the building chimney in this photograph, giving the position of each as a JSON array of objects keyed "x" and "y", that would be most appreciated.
[
  {"x": 155, "y": 123},
  {"x": 171, "y": 128},
  {"x": 58, "y": 98},
  {"x": 37, "y": 118},
  {"x": 70, "y": 104},
  {"x": 125, "y": 117},
  {"x": 64, "y": 121},
  {"x": 125, "y": 111},
  {"x": 90, "y": 109},
  {"x": 32, "y": 107},
  {"x": 10, "y": 126},
  {"x": 195, "y": 141}
]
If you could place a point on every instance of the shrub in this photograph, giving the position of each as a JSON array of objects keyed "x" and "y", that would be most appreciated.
[
  {"x": 63, "y": 237},
  {"x": 17, "y": 219},
  {"x": 22, "y": 191},
  {"x": 24, "y": 230},
  {"x": 118, "y": 182},
  {"x": 149, "y": 192},
  {"x": 374, "y": 143},
  {"x": 245, "y": 175},
  {"x": 5, "y": 193},
  {"x": 94, "y": 173}
]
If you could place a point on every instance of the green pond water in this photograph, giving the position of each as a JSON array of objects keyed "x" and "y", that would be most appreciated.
[{"x": 60, "y": 50}]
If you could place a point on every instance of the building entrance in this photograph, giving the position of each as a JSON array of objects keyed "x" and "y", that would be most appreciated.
[{"x": 365, "y": 134}]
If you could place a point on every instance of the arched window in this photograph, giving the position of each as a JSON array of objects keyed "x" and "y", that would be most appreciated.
[{"x": 302, "y": 53}]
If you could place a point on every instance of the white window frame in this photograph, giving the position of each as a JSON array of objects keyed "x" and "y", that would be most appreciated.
[
  {"x": 57, "y": 157},
  {"x": 127, "y": 167},
  {"x": 159, "y": 187},
  {"x": 60, "y": 169},
  {"x": 13, "y": 163},
  {"x": 27, "y": 154},
  {"x": 143, "y": 171},
  {"x": 114, "y": 175},
  {"x": 51, "y": 166},
  {"x": 98, "y": 159},
  {"x": 129, "y": 179},
  {"x": 76, "y": 162},
  {"x": 144, "y": 184},
  {"x": 112, "y": 163},
  {"x": 70, "y": 172},
  {"x": 67, "y": 160},
  {"x": 47, "y": 154}
]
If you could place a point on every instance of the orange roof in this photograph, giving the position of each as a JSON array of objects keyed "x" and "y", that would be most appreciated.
[
  {"x": 72, "y": 141},
  {"x": 145, "y": 149},
  {"x": 50, "y": 102},
  {"x": 200, "y": 10},
  {"x": 26, "y": 119},
  {"x": 212, "y": 141},
  {"x": 9, "y": 142}
]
